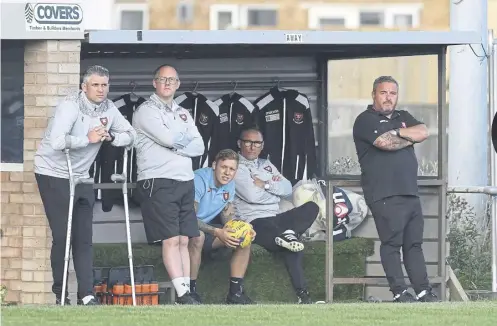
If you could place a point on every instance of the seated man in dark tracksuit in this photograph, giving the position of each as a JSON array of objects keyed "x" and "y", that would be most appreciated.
[{"x": 259, "y": 189}]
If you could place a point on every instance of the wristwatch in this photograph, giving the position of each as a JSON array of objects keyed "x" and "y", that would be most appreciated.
[
  {"x": 112, "y": 137},
  {"x": 397, "y": 131},
  {"x": 266, "y": 185}
]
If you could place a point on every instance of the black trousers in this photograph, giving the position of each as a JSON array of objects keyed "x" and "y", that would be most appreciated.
[
  {"x": 298, "y": 219},
  {"x": 55, "y": 194},
  {"x": 399, "y": 222}
]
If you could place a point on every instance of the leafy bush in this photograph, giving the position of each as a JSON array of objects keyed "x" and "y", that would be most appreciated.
[{"x": 470, "y": 245}]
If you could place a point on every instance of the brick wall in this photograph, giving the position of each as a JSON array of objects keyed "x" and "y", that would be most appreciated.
[{"x": 51, "y": 69}]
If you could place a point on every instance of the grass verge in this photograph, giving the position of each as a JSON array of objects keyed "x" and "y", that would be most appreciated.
[{"x": 480, "y": 313}]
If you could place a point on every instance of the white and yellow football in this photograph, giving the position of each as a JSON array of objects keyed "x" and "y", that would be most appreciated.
[{"x": 243, "y": 231}]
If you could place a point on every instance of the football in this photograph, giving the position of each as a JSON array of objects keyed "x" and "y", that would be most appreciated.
[{"x": 243, "y": 231}]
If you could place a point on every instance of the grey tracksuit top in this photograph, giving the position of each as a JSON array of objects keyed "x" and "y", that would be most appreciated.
[
  {"x": 252, "y": 202},
  {"x": 68, "y": 128},
  {"x": 156, "y": 126}
]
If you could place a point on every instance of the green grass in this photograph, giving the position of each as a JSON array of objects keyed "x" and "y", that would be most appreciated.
[{"x": 479, "y": 313}]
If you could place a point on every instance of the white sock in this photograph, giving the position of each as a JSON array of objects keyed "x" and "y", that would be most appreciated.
[
  {"x": 289, "y": 232},
  {"x": 179, "y": 286},
  {"x": 187, "y": 283}
]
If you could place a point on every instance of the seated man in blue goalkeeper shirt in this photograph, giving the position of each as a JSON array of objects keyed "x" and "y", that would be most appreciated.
[{"x": 214, "y": 194}]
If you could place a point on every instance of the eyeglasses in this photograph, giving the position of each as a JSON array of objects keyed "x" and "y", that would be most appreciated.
[
  {"x": 165, "y": 80},
  {"x": 249, "y": 143}
]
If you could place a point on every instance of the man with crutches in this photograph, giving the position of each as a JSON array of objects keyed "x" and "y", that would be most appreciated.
[{"x": 81, "y": 122}]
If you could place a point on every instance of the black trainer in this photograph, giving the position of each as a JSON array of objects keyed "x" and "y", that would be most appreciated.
[
  {"x": 90, "y": 301},
  {"x": 58, "y": 301},
  {"x": 304, "y": 297},
  {"x": 187, "y": 299},
  {"x": 238, "y": 298},
  {"x": 290, "y": 241},
  {"x": 196, "y": 296},
  {"x": 427, "y": 296},
  {"x": 404, "y": 297}
]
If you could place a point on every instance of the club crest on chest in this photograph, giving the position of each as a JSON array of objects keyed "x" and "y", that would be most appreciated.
[
  {"x": 239, "y": 118},
  {"x": 298, "y": 118},
  {"x": 104, "y": 121},
  {"x": 183, "y": 117},
  {"x": 203, "y": 119}
]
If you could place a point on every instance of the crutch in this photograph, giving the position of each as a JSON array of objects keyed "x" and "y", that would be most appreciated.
[
  {"x": 123, "y": 179},
  {"x": 73, "y": 182}
]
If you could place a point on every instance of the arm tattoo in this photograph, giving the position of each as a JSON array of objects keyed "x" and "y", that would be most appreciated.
[
  {"x": 228, "y": 213},
  {"x": 206, "y": 228},
  {"x": 389, "y": 142}
]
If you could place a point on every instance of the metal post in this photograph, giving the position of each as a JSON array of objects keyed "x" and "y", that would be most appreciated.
[
  {"x": 492, "y": 96},
  {"x": 468, "y": 89},
  {"x": 329, "y": 242},
  {"x": 442, "y": 171}
]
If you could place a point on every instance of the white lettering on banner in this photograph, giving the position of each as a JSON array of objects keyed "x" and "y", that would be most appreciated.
[
  {"x": 62, "y": 17},
  {"x": 294, "y": 38}
]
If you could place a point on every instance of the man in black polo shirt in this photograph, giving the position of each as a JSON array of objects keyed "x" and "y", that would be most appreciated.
[{"x": 384, "y": 139}]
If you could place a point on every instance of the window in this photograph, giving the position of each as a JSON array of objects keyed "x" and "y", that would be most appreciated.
[
  {"x": 12, "y": 99},
  {"x": 242, "y": 16},
  {"x": 328, "y": 15},
  {"x": 402, "y": 20},
  {"x": 131, "y": 19},
  {"x": 354, "y": 16},
  {"x": 132, "y": 16},
  {"x": 262, "y": 17},
  {"x": 185, "y": 12},
  {"x": 371, "y": 18},
  {"x": 223, "y": 17},
  {"x": 332, "y": 22}
]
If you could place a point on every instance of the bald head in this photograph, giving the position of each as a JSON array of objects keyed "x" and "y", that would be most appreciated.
[{"x": 166, "y": 82}]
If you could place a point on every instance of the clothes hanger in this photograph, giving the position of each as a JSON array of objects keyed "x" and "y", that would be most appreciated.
[
  {"x": 194, "y": 92},
  {"x": 132, "y": 93},
  {"x": 277, "y": 85},
  {"x": 234, "y": 87},
  {"x": 280, "y": 88}
]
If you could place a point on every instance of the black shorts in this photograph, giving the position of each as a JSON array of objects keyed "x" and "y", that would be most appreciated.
[
  {"x": 209, "y": 238},
  {"x": 167, "y": 208}
]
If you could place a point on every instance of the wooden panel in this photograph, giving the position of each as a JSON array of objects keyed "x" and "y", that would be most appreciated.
[
  {"x": 428, "y": 196},
  {"x": 367, "y": 229},
  {"x": 430, "y": 250},
  {"x": 116, "y": 214},
  {"x": 116, "y": 233},
  {"x": 376, "y": 270}
]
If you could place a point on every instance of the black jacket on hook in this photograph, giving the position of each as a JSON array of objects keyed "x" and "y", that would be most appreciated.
[
  {"x": 235, "y": 113},
  {"x": 110, "y": 158},
  {"x": 284, "y": 116},
  {"x": 205, "y": 114}
]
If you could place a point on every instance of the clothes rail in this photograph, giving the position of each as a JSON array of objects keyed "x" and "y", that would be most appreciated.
[{"x": 224, "y": 85}]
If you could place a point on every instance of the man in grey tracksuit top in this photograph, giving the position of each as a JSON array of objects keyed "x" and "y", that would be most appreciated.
[
  {"x": 167, "y": 140},
  {"x": 81, "y": 122},
  {"x": 259, "y": 187}
]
